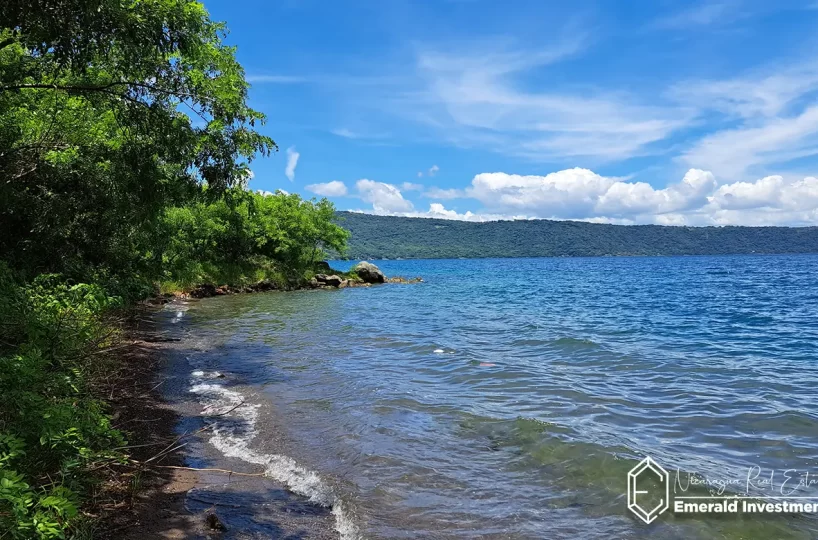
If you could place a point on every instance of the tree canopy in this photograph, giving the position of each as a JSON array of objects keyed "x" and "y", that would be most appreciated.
[{"x": 109, "y": 112}]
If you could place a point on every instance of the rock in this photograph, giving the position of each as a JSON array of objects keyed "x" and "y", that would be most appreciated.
[
  {"x": 314, "y": 283},
  {"x": 344, "y": 284},
  {"x": 329, "y": 281},
  {"x": 265, "y": 285},
  {"x": 203, "y": 291},
  {"x": 369, "y": 273},
  {"x": 214, "y": 522},
  {"x": 333, "y": 281},
  {"x": 404, "y": 280}
]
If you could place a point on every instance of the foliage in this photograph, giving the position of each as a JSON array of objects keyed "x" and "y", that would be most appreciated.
[
  {"x": 227, "y": 240},
  {"x": 390, "y": 237},
  {"x": 51, "y": 430},
  {"x": 125, "y": 143},
  {"x": 96, "y": 132}
]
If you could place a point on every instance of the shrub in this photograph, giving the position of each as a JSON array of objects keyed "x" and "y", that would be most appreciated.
[{"x": 51, "y": 429}]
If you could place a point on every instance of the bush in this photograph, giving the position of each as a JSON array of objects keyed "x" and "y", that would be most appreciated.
[
  {"x": 244, "y": 238},
  {"x": 51, "y": 430}
]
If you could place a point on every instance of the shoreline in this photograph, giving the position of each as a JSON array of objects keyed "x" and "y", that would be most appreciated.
[
  {"x": 152, "y": 503},
  {"x": 181, "y": 488}
]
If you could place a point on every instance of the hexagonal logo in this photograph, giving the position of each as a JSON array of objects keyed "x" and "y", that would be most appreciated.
[{"x": 648, "y": 490}]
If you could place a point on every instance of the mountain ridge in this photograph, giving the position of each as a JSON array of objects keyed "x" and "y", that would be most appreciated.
[{"x": 392, "y": 237}]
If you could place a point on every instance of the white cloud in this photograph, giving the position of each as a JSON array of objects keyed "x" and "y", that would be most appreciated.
[
  {"x": 438, "y": 211},
  {"x": 343, "y": 132},
  {"x": 438, "y": 193},
  {"x": 385, "y": 198},
  {"x": 733, "y": 152},
  {"x": 336, "y": 188},
  {"x": 409, "y": 186},
  {"x": 625, "y": 199},
  {"x": 433, "y": 170},
  {"x": 773, "y": 194},
  {"x": 476, "y": 99},
  {"x": 572, "y": 193},
  {"x": 292, "y": 162},
  {"x": 581, "y": 194},
  {"x": 767, "y": 120}
]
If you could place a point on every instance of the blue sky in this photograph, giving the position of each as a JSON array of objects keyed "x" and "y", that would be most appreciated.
[{"x": 623, "y": 112}]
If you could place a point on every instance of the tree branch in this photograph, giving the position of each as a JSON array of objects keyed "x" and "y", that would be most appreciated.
[{"x": 102, "y": 88}]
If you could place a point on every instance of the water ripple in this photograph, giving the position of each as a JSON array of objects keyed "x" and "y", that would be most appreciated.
[{"x": 509, "y": 398}]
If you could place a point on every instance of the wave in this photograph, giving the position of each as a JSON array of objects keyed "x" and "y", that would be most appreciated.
[{"x": 232, "y": 434}]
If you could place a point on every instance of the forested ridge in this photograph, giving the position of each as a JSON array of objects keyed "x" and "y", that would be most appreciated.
[
  {"x": 125, "y": 145},
  {"x": 392, "y": 237}
]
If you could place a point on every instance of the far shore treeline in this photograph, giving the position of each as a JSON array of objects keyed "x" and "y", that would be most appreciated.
[
  {"x": 393, "y": 237},
  {"x": 125, "y": 144}
]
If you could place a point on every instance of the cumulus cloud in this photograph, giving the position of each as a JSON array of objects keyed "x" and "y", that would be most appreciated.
[
  {"x": 571, "y": 193},
  {"x": 438, "y": 211},
  {"x": 624, "y": 199},
  {"x": 336, "y": 188},
  {"x": 292, "y": 162},
  {"x": 385, "y": 198},
  {"x": 581, "y": 194},
  {"x": 409, "y": 186}
]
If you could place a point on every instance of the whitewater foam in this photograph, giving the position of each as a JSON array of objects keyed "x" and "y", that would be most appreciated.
[{"x": 233, "y": 440}]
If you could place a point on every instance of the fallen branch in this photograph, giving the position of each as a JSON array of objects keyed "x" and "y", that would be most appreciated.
[
  {"x": 225, "y": 412},
  {"x": 226, "y": 471}
]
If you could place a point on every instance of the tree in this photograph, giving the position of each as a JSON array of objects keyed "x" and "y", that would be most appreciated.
[{"x": 111, "y": 111}]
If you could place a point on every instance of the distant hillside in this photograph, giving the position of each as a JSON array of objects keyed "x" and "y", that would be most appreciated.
[{"x": 378, "y": 237}]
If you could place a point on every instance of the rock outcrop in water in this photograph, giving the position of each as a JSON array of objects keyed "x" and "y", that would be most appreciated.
[
  {"x": 368, "y": 272},
  {"x": 330, "y": 281},
  {"x": 363, "y": 274}
]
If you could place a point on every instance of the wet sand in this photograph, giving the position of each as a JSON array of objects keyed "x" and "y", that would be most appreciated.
[{"x": 174, "y": 498}]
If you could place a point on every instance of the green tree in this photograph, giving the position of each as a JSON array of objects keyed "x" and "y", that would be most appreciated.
[{"x": 111, "y": 111}]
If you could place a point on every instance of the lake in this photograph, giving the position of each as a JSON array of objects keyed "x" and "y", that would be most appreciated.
[{"x": 509, "y": 398}]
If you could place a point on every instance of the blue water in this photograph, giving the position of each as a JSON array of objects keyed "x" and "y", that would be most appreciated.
[{"x": 508, "y": 398}]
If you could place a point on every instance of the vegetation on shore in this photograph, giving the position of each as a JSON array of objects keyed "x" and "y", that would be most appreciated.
[
  {"x": 125, "y": 144},
  {"x": 379, "y": 237}
]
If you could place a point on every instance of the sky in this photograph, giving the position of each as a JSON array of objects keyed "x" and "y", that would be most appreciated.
[{"x": 678, "y": 113}]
